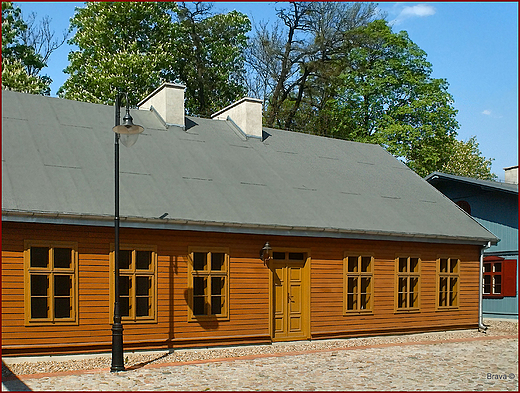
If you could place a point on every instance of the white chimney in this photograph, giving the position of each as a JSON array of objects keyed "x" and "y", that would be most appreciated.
[
  {"x": 246, "y": 114},
  {"x": 511, "y": 174},
  {"x": 168, "y": 102}
]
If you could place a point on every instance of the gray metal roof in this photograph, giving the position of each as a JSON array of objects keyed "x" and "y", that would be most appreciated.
[
  {"x": 487, "y": 184},
  {"x": 58, "y": 166}
]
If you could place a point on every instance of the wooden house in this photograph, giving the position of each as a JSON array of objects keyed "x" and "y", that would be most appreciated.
[
  {"x": 361, "y": 244},
  {"x": 494, "y": 205}
]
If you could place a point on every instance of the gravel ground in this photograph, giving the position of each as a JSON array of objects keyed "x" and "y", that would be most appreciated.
[{"x": 496, "y": 328}]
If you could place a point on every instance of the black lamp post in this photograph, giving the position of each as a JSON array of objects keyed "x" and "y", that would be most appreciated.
[{"x": 128, "y": 133}]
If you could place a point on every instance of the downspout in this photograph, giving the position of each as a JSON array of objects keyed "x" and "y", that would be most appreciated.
[{"x": 481, "y": 326}]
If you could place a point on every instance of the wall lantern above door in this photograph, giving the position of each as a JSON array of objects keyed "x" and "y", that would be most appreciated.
[{"x": 266, "y": 253}]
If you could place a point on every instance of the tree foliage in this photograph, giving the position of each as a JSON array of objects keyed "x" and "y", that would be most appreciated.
[
  {"x": 466, "y": 160},
  {"x": 339, "y": 72},
  {"x": 300, "y": 54},
  {"x": 136, "y": 46},
  {"x": 26, "y": 47},
  {"x": 120, "y": 45},
  {"x": 386, "y": 95},
  {"x": 209, "y": 57}
]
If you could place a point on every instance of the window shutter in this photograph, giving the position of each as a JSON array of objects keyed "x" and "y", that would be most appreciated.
[{"x": 509, "y": 277}]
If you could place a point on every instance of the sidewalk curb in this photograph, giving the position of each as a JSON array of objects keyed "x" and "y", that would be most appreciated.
[{"x": 258, "y": 356}]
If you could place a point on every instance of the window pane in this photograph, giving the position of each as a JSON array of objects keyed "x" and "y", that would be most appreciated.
[
  {"x": 414, "y": 284},
  {"x": 443, "y": 265},
  {"x": 198, "y": 305},
  {"x": 414, "y": 300},
  {"x": 453, "y": 284},
  {"x": 443, "y": 284},
  {"x": 124, "y": 306},
  {"x": 487, "y": 284},
  {"x": 279, "y": 255},
  {"x": 143, "y": 307},
  {"x": 199, "y": 261},
  {"x": 365, "y": 301},
  {"x": 124, "y": 285},
  {"x": 296, "y": 256},
  {"x": 216, "y": 305},
  {"x": 403, "y": 264},
  {"x": 487, "y": 267},
  {"x": 351, "y": 301},
  {"x": 62, "y": 307},
  {"x": 143, "y": 285},
  {"x": 143, "y": 260},
  {"x": 39, "y": 256},
  {"x": 352, "y": 285},
  {"x": 63, "y": 258},
  {"x": 366, "y": 264},
  {"x": 498, "y": 285},
  {"x": 39, "y": 307},
  {"x": 365, "y": 284},
  {"x": 402, "y": 285},
  {"x": 442, "y": 298},
  {"x": 454, "y": 265},
  {"x": 199, "y": 286},
  {"x": 401, "y": 300},
  {"x": 453, "y": 299},
  {"x": 217, "y": 261},
  {"x": 414, "y": 265},
  {"x": 498, "y": 266},
  {"x": 217, "y": 285},
  {"x": 62, "y": 285},
  {"x": 125, "y": 259},
  {"x": 39, "y": 285},
  {"x": 352, "y": 264}
]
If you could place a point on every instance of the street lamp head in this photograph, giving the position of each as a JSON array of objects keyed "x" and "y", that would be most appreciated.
[{"x": 128, "y": 127}]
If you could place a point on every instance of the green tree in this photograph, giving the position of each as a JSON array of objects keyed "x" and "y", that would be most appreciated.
[
  {"x": 385, "y": 95},
  {"x": 139, "y": 45},
  {"x": 120, "y": 45},
  {"x": 209, "y": 57},
  {"x": 21, "y": 62},
  {"x": 466, "y": 160},
  {"x": 296, "y": 59}
]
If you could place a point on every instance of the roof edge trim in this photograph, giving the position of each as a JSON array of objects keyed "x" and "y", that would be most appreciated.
[{"x": 204, "y": 226}]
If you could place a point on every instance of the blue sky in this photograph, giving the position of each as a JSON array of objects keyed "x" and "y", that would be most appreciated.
[{"x": 473, "y": 45}]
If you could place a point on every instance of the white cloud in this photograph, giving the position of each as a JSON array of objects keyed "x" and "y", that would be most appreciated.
[
  {"x": 419, "y": 10},
  {"x": 486, "y": 112}
]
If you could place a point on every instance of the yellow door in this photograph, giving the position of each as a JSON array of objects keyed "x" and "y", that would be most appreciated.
[{"x": 289, "y": 297}]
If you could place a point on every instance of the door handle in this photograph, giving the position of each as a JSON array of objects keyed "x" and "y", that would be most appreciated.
[{"x": 289, "y": 298}]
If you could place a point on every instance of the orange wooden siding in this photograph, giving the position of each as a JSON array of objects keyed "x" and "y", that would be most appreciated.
[{"x": 248, "y": 291}]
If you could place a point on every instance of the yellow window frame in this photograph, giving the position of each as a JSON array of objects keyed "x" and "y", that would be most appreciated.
[
  {"x": 50, "y": 272},
  {"x": 208, "y": 274},
  {"x": 133, "y": 273},
  {"x": 408, "y": 275},
  {"x": 358, "y": 275}
]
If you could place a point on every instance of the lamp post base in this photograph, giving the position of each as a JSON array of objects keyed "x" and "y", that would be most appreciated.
[{"x": 117, "y": 348}]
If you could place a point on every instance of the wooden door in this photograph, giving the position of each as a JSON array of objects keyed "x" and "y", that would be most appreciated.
[{"x": 289, "y": 297}]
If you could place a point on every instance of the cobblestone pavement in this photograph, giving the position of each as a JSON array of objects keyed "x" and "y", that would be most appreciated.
[{"x": 486, "y": 363}]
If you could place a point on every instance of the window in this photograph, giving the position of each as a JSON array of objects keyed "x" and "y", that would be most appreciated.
[
  {"x": 464, "y": 205},
  {"x": 448, "y": 283},
  {"x": 499, "y": 277},
  {"x": 50, "y": 282},
  {"x": 137, "y": 283},
  {"x": 407, "y": 277},
  {"x": 208, "y": 273},
  {"x": 358, "y": 283}
]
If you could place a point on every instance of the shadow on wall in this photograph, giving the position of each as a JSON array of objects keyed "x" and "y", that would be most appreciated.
[{"x": 207, "y": 322}]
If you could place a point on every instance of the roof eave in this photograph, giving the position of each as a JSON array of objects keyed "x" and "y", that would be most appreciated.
[{"x": 242, "y": 228}]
